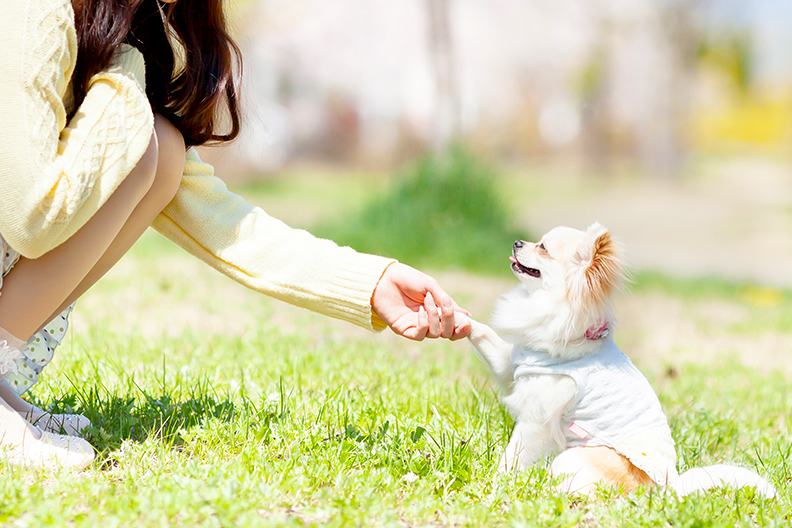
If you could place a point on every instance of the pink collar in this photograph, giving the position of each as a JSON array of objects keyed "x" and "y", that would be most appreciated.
[{"x": 598, "y": 331}]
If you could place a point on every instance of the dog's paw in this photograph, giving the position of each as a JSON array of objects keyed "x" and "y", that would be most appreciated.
[
  {"x": 461, "y": 319},
  {"x": 511, "y": 461}
]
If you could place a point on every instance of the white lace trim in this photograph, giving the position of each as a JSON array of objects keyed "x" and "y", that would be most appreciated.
[{"x": 8, "y": 357}]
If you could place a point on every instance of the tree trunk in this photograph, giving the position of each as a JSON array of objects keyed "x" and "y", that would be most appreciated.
[{"x": 446, "y": 120}]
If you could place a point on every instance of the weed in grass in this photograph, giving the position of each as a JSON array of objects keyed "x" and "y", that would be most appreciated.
[
  {"x": 443, "y": 213},
  {"x": 310, "y": 429}
]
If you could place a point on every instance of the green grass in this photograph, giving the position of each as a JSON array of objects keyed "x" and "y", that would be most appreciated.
[
  {"x": 213, "y": 406},
  {"x": 313, "y": 435},
  {"x": 763, "y": 308},
  {"x": 321, "y": 425},
  {"x": 440, "y": 213}
]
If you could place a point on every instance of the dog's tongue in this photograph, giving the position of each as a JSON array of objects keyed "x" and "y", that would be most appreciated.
[{"x": 511, "y": 257}]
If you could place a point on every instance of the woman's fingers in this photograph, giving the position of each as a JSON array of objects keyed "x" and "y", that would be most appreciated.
[
  {"x": 433, "y": 316},
  {"x": 447, "y": 320},
  {"x": 436, "y": 299},
  {"x": 415, "y": 306},
  {"x": 432, "y": 323},
  {"x": 413, "y": 326}
]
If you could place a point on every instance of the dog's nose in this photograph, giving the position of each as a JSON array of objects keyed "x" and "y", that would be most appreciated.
[{"x": 518, "y": 244}]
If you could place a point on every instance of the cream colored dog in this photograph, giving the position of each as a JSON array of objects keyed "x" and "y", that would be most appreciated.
[{"x": 570, "y": 389}]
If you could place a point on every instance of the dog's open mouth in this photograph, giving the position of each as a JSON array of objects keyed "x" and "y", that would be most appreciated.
[{"x": 519, "y": 268}]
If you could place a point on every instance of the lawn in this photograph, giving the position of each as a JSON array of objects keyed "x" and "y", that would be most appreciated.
[{"x": 214, "y": 406}]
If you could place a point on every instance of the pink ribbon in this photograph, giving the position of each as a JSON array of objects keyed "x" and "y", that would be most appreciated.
[{"x": 598, "y": 331}]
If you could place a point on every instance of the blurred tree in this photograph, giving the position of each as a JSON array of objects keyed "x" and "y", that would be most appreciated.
[
  {"x": 636, "y": 88},
  {"x": 593, "y": 92},
  {"x": 731, "y": 56},
  {"x": 447, "y": 106},
  {"x": 666, "y": 152}
]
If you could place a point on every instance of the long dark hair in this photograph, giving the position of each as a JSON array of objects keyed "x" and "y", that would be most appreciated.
[{"x": 196, "y": 93}]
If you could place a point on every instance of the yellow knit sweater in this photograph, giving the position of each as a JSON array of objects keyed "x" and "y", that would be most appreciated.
[{"x": 54, "y": 174}]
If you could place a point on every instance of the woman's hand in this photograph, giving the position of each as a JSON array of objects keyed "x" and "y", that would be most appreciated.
[{"x": 415, "y": 306}]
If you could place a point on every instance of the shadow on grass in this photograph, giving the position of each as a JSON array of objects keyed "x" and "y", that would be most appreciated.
[{"x": 138, "y": 415}]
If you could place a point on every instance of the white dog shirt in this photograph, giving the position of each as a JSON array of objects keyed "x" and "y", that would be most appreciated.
[{"x": 614, "y": 406}]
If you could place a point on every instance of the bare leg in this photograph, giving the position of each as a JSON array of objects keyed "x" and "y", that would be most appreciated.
[
  {"x": 170, "y": 167},
  {"x": 46, "y": 285},
  {"x": 41, "y": 285}
]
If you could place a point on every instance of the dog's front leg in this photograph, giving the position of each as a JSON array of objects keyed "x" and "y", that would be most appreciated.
[
  {"x": 525, "y": 447},
  {"x": 495, "y": 351},
  {"x": 537, "y": 402}
]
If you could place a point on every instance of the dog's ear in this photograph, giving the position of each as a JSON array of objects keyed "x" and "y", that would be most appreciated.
[{"x": 598, "y": 265}]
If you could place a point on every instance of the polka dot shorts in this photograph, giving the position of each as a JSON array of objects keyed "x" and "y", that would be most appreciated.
[{"x": 40, "y": 348}]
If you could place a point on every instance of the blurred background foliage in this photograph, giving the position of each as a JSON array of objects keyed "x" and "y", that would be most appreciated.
[
  {"x": 442, "y": 211},
  {"x": 670, "y": 121},
  {"x": 650, "y": 84}
]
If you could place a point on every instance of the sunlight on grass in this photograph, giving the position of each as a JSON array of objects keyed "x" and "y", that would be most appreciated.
[
  {"x": 313, "y": 435},
  {"x": 213, "y": 406},
  {"x": 289, "y": 428}
]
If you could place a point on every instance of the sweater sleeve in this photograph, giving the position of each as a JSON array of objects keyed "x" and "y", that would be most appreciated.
[
  {"x": 54, "y": 174},
  {"x": 264, "y": 254}
]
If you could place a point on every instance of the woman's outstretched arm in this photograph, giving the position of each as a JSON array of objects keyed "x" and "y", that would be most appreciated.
[{"x": 264, "y": 254}]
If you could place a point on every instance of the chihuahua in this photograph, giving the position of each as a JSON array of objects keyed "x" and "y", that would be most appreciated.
[{"x": 570, "y": 389}]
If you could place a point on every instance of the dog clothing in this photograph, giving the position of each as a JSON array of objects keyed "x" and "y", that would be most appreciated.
[{"x": 614, "y": 406}]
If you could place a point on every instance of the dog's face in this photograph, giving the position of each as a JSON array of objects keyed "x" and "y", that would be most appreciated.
[
  {"x": 583, "y": 265},
  {"x": 542, "y": 264}
]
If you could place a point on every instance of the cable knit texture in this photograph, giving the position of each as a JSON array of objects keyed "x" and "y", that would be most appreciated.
[
  {"x": 265, "y": 254},
  {"x": 55, "y": 175}
]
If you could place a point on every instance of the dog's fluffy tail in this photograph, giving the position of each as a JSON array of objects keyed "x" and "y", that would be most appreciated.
[{"x": 704, "y": 478}]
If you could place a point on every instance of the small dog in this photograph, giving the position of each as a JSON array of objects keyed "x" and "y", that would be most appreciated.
[{"x": 569, "y": 387}]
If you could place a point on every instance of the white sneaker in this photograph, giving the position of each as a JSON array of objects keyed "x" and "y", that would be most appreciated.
[
  {"x": 68, "y": 424},
  {"x": 23, "y": 444},
  {"x": 50, "y": 451}
]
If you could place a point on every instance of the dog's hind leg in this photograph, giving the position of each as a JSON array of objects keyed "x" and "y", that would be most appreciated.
[
  {"x": 589, "y": 466},
  {"x": 582, "y": 477}
]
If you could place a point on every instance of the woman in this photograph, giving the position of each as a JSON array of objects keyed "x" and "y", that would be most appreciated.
[{"x": 97, "y": 115}]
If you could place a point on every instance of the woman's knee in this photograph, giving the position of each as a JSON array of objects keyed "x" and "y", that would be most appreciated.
[
  {"x": 140, "y": 179},
  {"x": 170, "y": 160}
]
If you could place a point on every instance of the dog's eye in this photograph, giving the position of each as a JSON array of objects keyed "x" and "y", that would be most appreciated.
[{"x": 541, "y": 246}]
